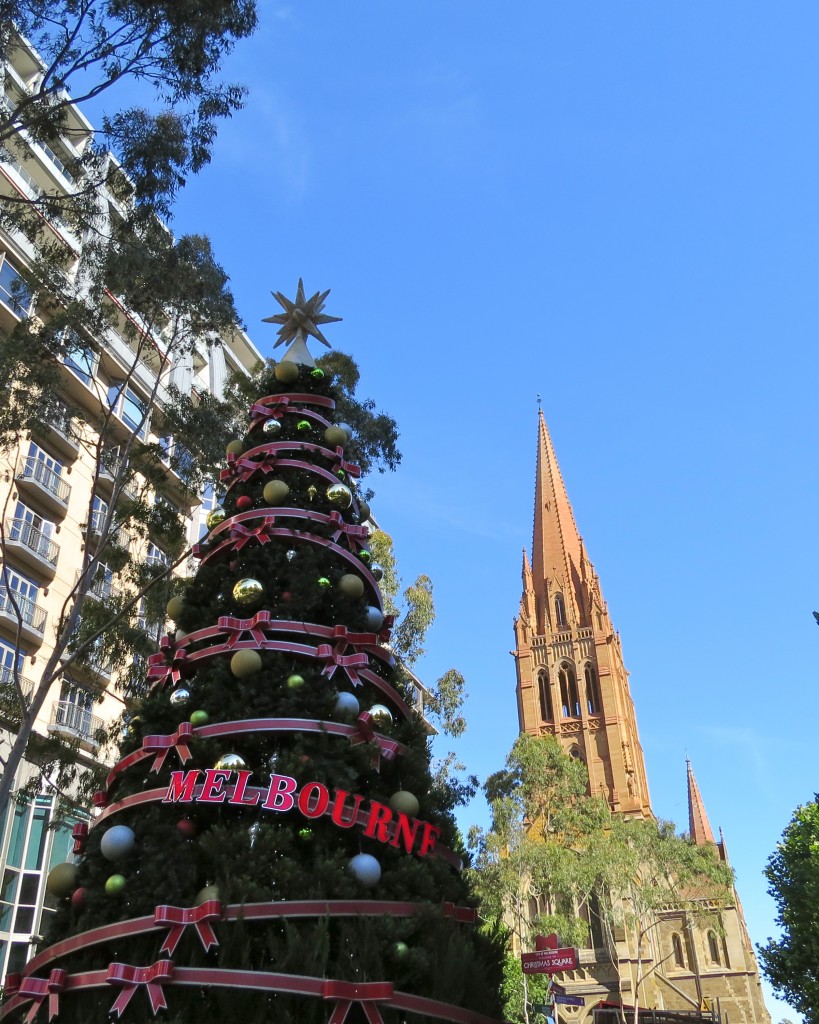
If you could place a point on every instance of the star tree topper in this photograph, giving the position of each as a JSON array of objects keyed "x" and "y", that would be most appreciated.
[{"x": 300, "y": 319}]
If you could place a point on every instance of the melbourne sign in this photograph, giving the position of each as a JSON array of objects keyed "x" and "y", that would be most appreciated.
[
  {"x": 549, "y": 961},
  {"x": 313, "y": 800}
]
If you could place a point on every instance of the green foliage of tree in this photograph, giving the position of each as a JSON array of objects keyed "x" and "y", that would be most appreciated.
[
  {"x": 557, "y": 860},
  {"x": 791, "y": 963},
  {"x": 174, "y": 48}
]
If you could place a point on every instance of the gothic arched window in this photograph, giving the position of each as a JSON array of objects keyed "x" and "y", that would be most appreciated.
[
  {"x": 545, "y": 695},
  {"x": 677, "y": 949},
  {"x": 713, "y": 948},
  {"x": 560, "y": 610},
  {"x": 568, "y": 691},
  {"x": 592, "y": 690}
]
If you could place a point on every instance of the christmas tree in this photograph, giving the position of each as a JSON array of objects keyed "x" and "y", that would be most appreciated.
[{"x": 269, "y": 846}]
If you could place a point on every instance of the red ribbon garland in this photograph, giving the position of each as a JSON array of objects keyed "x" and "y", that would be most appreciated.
[
  {"x": 236, "y": 628},
  {"x": 38, "y": 988},
  {"x": 366, "y": 993},
  {"x": 132, "y": 977},
  {"x": 162, "y": 745},
  {"x": 180, "y": 917}
]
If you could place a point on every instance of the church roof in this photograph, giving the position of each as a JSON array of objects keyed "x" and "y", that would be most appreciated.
[{"x": 698, "y": 827}]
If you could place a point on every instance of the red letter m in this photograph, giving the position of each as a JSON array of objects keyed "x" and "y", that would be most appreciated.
[{"x": 180, "y": 789}]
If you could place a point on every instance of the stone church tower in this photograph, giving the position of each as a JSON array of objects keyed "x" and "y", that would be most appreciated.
[{"x": 572, "y": 683}]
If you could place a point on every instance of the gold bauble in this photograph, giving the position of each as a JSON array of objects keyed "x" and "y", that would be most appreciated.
[
  {"x": 235, "y": 447},
  {"x": 405, "y": 802},
  {"x": 248, "y": 592},
  {"x": 175, "y": 607},
  {"x": 215, "y": 516},
  {"x": 351, "y": 585},
  {"x": 312, "y": 491},
  {"x": 335, "y": 437},
  {"x": 287, "y": 371},
  {"x": 231, "y": 763},
  {"x": 275, "y": 492},
  {"x": 340, "y": 495},
  {"x": 381, "y": 715},
  {"x": 62, "y": 880},
  {"x": 363, "y": 511},
  {"x": 245, "y": 663},
  {"x": 210, "y": 892}
]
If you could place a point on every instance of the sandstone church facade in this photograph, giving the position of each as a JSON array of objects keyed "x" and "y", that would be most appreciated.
[{"x": 572, "y": 683}]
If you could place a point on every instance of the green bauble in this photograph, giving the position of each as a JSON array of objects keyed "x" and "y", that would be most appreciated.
[
  {"x": 317, "y": 373},
  {"x": 210, "y": 892},
  {"x": 245, "y": 663},
  {"x": 174, "y": 608},
  {"x": 340, "y": 495},
  {"x": 215, "y": 516},
  {"x": 248, "y": 592},
  {"x": 199, "y": 718},
  {"x": 323, "y": 582},
  {"x": 235, "y": 447},
  {"x": 62, "y": 880},
  {"x": 400, "y": 951},
  {"x": 286, "y": 371},
  {"x": 365, "y": 556},
  {"x": 335, "y": 437},
  {"x": 405, "y": 802},
  {"x": 295, "y": 681},
  {"x": 275, "y": 492},
  {"x": 306, "y": 834},
  {"x": 351, "y": 586},
  {"x": 303, "y": 426},
  {"x": 115, "y": 884}
]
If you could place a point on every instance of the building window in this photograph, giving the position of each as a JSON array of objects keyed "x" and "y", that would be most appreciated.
[
  {"x": 32, "y": 530},
  {"x": 156, "y": 556},
  {"x": 560, "y": 611},
  {"x": 568, "y": 691},
  {"x": 713, "y": 948},
  {"x": 545, "y": 695},
  {"x": 129, "y": 407},
  {"x": 74, "y": 711},
  {"x": 592, "y": 690},
  {"x": 13, "y": 290},
  {"x": 677, "y": 951},
  {"x": 80, "y": 358},
  {"x": 25, "y": 593}
]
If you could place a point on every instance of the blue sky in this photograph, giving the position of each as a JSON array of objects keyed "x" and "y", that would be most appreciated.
[{"x": 616, "y": 206}]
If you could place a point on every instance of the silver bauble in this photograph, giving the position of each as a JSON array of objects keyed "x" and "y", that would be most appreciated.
[
  {"x": 271, "y": 427},
  {"x": 381, "y": 715},
  {"x": 180, "y": 696}
]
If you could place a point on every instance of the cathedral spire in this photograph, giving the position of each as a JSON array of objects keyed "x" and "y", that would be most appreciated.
[
  {"x": 698, "y": 827},
  {"x": 557, "y": 550}
]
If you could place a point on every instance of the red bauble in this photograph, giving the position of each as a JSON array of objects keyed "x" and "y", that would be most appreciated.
[
  {"x": 187, "y": 828},
  {"x": 286, "y": 595},
  {"x": 78, "y": 898},
  {"x": 244, "y": 502}
]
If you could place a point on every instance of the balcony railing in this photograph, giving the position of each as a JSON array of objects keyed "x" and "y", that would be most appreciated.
[
  {"x": 8, "y": 694},
  {"x": 22, "y": 532},
  {"x": 33, "y": 468},
  {"x": 29, "y": 612},
  {"x": 75, "y": 720}
]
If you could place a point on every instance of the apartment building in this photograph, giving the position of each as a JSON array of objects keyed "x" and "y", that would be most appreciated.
[{"x": 55, "y": 497}]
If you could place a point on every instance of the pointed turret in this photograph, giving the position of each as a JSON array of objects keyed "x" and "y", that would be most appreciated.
[
  {"x": 698, "y": 827},
  {"x": 571, "y": 677}
]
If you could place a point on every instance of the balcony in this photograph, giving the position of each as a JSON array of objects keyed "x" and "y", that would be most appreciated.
[
  {"x": 31, "y": 546},
  {"x": 60, "y": 433},
  {"x": 9, "y": 703},
  {"x": 75, "y": 722},
  {"x": 31, "y": 617},
  {"x": 102, "y": 588},
  {"x": 36, "y": 478}
]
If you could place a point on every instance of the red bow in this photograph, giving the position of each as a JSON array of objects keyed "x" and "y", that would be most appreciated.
[
  {"x": 161, "y": 745},
  {"x": 366, "y": 993},
  {"x": 335, "y": 659},
  {"x": 349, "y": 467},
  {"x": 277, "y": 407},
  {"x": 159, "y": 671},
  {"x": 39, "y": 988},
  {"x": 243, "y": 469},
  {"x": 80, "y": 834},
  {"x": 242, "y": 535},
  {"x": 132, "y": 977},
  {"x": 179, "y": 917},
  {"x": 366, "y": 734},
  {"x": 351, "y": 529},
  {"x": 235, "y": 628}
]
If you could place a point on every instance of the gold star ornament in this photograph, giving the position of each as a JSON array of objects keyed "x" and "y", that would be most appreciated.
[{"x": 302, "y": 318}]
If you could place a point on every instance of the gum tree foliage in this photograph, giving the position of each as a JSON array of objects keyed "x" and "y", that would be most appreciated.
[
  {"x": 173, "y": 49},
  {"x": 791, "y": 963},
  {"x": 555, "y": 859}
]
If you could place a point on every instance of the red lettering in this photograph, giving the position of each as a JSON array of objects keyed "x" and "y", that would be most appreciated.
[
  {"x": 379, "y": 819},
  {"x": 239, "y": 792},
  {"x": 406, "y": 829},
  {"x": 319, "y": 806},
  {"x": 212, "y": 791},
  {"x": 181, "y": 786},
  {"x": 428, "y": 839},
  {"x": 280, "y": 793},
  {"x": 338, "y": 809}
]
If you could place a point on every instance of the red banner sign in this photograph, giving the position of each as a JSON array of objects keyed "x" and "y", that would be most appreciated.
[{"x": 549, "y": 961}]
